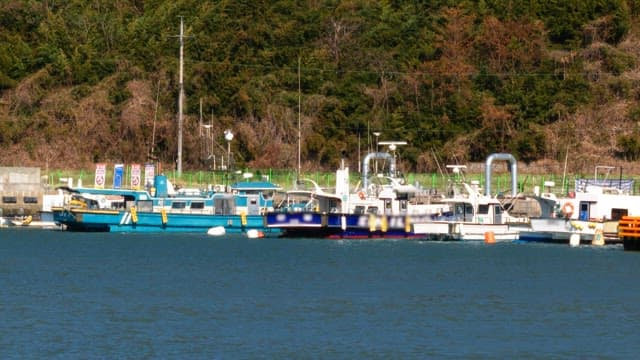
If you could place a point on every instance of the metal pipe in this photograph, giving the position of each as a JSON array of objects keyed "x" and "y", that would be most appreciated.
[
  {"x": 514, "y": 172},
  {"x": 376, "y": 155}
]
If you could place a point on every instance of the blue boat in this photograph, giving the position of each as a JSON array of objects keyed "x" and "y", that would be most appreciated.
[
  {"x": 162, "y": 209},
  {"x": 382, "y": 206}
]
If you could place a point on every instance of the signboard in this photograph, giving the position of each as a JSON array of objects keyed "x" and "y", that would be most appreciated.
[
  {"x": 118, "y": 174},
  {"x": 101, "y": 172},
  {"x": 149, "y": 174},
  {"x": 135, "y": 176}
]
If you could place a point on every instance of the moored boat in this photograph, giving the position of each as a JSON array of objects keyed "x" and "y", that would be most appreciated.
[
  {"x": 589, "y": 214},
  {"x": 381, "y": 206},
  {"x": 166, "y": 210}
]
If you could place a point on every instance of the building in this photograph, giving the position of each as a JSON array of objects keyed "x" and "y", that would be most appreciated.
[{"x": 21, "y": 191}]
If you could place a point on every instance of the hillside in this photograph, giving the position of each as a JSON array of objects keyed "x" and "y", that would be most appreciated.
[{"x": 84, "y": 82}]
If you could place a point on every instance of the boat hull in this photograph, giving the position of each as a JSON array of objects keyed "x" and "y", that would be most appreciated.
[
  {"x": 342, "y": 226},
  {"x": 126, "y": 221}
]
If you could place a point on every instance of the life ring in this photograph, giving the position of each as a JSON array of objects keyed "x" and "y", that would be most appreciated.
[
  {"x": 567, "y": 209},
  {"x": 362, "y": 195}
]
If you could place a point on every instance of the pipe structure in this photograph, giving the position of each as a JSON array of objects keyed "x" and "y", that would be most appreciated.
[
  {"x": 376, "y": 155},
  {"x": 514, "y": 172}
]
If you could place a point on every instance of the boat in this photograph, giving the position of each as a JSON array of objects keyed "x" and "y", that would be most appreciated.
[
  {"x": 237, "y": 208},
  {"x": 382, "y": 205},
  {"x": 589, "y": 214},
  {"x": 474, "y": 216}
]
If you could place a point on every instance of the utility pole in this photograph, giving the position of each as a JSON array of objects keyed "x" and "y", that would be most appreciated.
[{"x": 180, "y": 97}]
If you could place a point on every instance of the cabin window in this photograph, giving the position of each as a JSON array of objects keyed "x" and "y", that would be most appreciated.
[
  {"x": 372, "y": 210},
  {"x": 483, "y": 209},
  {"x": 253, "y": 201},
  {"x": 178, "y": 205},
  {"x": 145, "y": 205},
  {"x": 359, "y": 209},
  {"x": 30, "y": 200},
  {"x": 9, "y": 199},
  {"x": 617, "y": 214},
  {"x": 463, "y": 212},
  {"x": 197, "y": 205}
]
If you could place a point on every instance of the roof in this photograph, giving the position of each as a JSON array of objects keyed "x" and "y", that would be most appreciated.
[{"x": 255, "y": 185}]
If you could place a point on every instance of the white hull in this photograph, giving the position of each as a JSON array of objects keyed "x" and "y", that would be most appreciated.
[{"x": 444, "y": 230}]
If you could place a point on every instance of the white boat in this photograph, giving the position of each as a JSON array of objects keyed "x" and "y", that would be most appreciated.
[
  {"x": 383, "y": 205},
  {"x": 475, "y": 216},
  {"x": 591, "y": 212}
]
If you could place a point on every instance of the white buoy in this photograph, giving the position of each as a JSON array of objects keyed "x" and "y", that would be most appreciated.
[
  {"x": 254, "y": 234},
  {"x": 216, "y": 231},
  {"x": 574, "y": 240}
]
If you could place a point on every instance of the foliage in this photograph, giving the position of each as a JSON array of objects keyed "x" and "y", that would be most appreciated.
[{"x": 455, "y": 79}]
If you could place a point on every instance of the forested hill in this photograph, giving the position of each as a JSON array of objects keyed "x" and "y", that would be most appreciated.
[{"x": 84, "y": 81}]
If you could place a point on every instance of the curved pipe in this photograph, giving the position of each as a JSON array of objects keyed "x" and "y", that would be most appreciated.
[
  {"x": 514, "y": 172},
  {"x": 365, "y": 166}
]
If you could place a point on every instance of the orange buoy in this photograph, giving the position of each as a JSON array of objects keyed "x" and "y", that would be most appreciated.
[
  {"x": 489, "y": 237},
  {"x": 567, "y": 209}
]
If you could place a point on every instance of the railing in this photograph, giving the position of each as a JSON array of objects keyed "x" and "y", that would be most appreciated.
[{"x": 629, "y": 226}]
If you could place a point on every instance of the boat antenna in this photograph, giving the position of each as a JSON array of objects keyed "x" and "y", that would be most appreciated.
[
  {"x": 299, "y": 120},
  {"x": 150, "y": 155}
]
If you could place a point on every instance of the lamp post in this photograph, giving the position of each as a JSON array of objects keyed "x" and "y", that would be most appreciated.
[
  {"x": 392, "y": 147},
  {"x": 228, "y": 135}
]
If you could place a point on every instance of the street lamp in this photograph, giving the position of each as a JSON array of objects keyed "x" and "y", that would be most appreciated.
[
  {"x": 228, "y": 135},
  {"x": 392, "y": 147}
]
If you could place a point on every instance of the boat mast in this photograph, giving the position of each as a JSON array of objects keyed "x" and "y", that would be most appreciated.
[{"x": 299, "y": 115}]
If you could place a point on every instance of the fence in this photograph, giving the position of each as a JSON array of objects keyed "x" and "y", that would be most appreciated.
[{"x": 501, "y": 183}]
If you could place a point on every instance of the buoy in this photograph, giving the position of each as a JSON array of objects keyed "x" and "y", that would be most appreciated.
[
  {"x": 343, "y": 222},
  {"x": 243, "y": 218},
  {"x": 383, "y": 224},
  {"x": 489, "y": 237},
  {"x": 163, "y": 215},
  {"x": 574, "y": 240},
  {"x": 567, "y": 209},
  {"x": 372, "y": 223},
  {"x": 254, "y": 234},
  {"x": 27, "y": 221},
  {"x": 134, "y": 215},
  {"x": 407, "y": 224},
  {"x": 216, "y": 231},
  {"x": 598, "y": 238}
]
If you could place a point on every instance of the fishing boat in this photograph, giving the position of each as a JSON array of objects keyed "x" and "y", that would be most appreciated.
[
  {"x": 164, "y": 209},
  {"x": 383, "y": 205},
  {"x": 475, "y": 216},
  {"x": 587, "y": 215}
]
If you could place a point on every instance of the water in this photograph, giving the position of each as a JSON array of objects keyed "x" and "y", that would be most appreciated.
[{"x": 74, "y": 295}]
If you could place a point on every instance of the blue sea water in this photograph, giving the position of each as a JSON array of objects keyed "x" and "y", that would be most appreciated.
[{"x": 87, "y": 295}]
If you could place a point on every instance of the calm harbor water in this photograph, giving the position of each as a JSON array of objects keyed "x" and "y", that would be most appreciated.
[{"x": 76, "y": 295}]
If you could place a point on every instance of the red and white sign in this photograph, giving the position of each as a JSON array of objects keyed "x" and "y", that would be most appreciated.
[
  {"x": 135, "y": 176},
  {"x": 101, "y": 173},
  {"x": 149, "y": 174}
]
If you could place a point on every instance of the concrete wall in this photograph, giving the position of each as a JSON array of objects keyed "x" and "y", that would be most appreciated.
[{"x": 20, "y": 191}]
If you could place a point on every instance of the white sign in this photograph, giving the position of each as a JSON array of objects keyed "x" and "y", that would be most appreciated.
[{"x": 101, "y": 172}]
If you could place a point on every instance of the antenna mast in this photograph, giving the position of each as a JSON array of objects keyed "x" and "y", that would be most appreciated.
[{"x": 299, "y": 111}]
